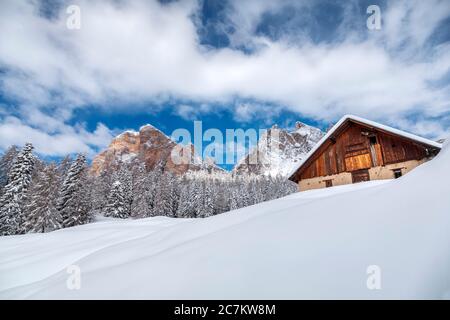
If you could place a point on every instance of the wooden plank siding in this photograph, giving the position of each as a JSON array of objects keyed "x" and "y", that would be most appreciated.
[
  {"x": 379, "y": 154},
  {"x": 359, "y": 162},
  {"x": 398, "y": 150},
  {"x": 356, "y": 147}
]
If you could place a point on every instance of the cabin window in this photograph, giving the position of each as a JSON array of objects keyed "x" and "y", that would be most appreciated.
[
  {"x": 397, "y": 173},
  {"x": 360, "y": 176},
  {"x": 373, "y": 140},
  {"x": 328, "y": 183}
]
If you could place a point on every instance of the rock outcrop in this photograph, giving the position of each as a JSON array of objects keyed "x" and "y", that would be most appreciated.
[
  {"x": 279, "y": 151},
  {"x": 151, "y": 147}
]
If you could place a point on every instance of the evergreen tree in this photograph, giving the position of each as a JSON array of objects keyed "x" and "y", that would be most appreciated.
[
  {"x": 185, "y": 209},
  {"x": 174, "y": 195},
  {"x": 244, "y": 196},
  {"x": 13, "y": 199},
  {"x": 64, "y": 166},
  {"x": 152, "y": 186},
  {"x": 140, "y": 191},
  {"x": 221, "y": 203},
  {"x": 166, "y": 199},
  {"x": 41, "y": 213},
  {"x": 116, "y": 207},
  {"x": 6, "y": 162},
  {"x": 208, "y": 201},
  {"x": 73, "y": 202},
  {"x": 125, "y": 177},
  {"x": 128, "y": 191},
  {"x": 234, "y": 199},
  {"x": 99, "y": 191},
  {"x": 196, "y": 199}
]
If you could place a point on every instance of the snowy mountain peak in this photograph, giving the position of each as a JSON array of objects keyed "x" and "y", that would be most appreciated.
[
  {"x": 151, "y": 147},
  {"x": 279, "y": 150},
  {"x": 147, "y": 127},
  {"x": 127, "y": 132},
  {"x": 299, "y": 125}
]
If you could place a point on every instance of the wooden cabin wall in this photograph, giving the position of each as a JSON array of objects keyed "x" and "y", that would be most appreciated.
[
  {"x": 398, "y": 150},
  {"x": 353, "y": 151}
]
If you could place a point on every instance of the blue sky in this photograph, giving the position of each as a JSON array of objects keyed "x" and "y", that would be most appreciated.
[{"x": 230, "y": 64}]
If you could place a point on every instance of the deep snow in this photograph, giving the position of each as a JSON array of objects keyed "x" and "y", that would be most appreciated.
[{"x": 315, "y": 244}]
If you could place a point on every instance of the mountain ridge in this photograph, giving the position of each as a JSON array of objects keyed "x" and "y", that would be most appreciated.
[
  {"x": 153, "y": 148},
  {"x": 280, "y": 157}
]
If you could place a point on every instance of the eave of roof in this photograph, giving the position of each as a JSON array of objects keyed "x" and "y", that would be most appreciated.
[{"x": 369, "y": 123}]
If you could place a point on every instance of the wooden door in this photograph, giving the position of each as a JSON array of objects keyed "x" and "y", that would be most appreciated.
[
  {"x": 357, "y": 156},
  {"x": 360, "y": 176}
]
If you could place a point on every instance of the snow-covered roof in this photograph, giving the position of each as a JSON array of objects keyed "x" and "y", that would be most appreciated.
[{"x": 350, "y": 117}]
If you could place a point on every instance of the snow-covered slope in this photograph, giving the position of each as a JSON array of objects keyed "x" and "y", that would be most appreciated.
[
  {"x": 314, "y": 244},
  {"x": 282, "y": 156}
]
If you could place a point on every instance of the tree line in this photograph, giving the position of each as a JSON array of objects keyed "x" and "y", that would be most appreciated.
[{"x": 36, "y": 196}]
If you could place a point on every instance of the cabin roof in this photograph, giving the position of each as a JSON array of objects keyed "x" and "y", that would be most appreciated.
[{"x": 367, "y": 123}]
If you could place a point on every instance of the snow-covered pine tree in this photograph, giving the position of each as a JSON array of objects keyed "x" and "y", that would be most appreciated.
[
  {"x": 166, "y": 198},
  {"x": 116, "y": 207},
  {"x": 6, "y": 163},
  {"x": 265, "y": 189},
  {"x": 73, "y": 202},
  {"x": 64, "y": 166},
  {"x": 252, "y": 192},
  {"x": 99, "y": 191},
  {"x": 13, "y": 199},
  {"x": 174, "y": 184},
  {"x": 207, "y": 209},
  {"x": 184, "y": 209},
  {"x": 244, "y": 194},
  {"x": 152, "y": 185},
  {"x": 160, "y": 205},
  {"x": 288, "y": 188},
  {"x": 258, "y": 191},
  {"x": 221, "y": 192},
  {"x": 197, "y": 196},
  {"x": 234, "y": 198},
  {"x": 139, "y": 207},
  {"x": 124, "y": 175},
  {"x": 41, "y": 214}
]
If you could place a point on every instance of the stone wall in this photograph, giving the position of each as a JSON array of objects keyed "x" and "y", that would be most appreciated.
[{"x": 376, "y": 173}]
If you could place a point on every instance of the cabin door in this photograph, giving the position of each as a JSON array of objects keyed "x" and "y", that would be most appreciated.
[{"x": 360, "y": 176}]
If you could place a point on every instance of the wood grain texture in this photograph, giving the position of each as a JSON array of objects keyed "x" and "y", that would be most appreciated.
[{"x": 357, "y": 147}]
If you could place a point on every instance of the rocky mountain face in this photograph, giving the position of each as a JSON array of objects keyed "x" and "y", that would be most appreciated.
[
  {"x": 151, "y": 147},
  {"x": 279, "y": 151}
]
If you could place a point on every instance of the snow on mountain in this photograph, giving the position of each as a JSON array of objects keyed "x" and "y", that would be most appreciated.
[
  {"x": 151, "y": 147},
  {"x": 282, "y": 156},
  {"x": 316, "y": 244}
]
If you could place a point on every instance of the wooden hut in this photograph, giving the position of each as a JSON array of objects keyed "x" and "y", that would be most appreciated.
[{"x": 356, "y": 150}]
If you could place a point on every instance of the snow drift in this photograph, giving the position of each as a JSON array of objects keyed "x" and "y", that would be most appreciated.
[{"x": 315, "y": 244}]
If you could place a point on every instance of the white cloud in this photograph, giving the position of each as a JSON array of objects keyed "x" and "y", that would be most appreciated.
[
  {"x": 65, "y": 140},
  {"x": 413, "y": 22},
  {"x": 134, "y": 51},
  {"x": 191, "y": 112},
  {"x": 247, "y": 112}
]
